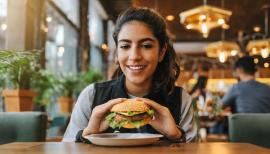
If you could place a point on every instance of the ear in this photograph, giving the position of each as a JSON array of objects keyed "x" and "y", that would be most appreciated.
[{"x": 162, "y": 53}]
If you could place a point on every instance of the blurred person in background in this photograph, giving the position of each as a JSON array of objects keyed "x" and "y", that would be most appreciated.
[
  {"x": 248, "y": 95},
  {"x": 199, "y": 88}
]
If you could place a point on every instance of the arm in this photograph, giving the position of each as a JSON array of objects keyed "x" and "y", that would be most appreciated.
[
  {"x": 230, "y": 97},
  {"x": 187, "y": 122},
  {"x": 80, "y": 114}
]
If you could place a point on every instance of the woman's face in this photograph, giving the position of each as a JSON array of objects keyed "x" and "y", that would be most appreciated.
[{"x": 138, "y": 52}]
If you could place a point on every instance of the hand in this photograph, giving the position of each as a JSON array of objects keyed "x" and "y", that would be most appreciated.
[
  {"x": 163, "y": 120},
  {"x": 97, "y": 122}
]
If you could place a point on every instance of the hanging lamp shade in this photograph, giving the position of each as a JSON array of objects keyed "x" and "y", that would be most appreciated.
[
  {"x": 204, "y": 18},
  {"x": 259, "y": 47},
  {"x": 222, "y": 50}
]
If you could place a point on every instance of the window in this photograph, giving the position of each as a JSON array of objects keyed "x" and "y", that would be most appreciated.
[
  {"x": 3, "y": 25},
  {"x": 61, "y": 44},
  {"x": 70, "y": 8}
]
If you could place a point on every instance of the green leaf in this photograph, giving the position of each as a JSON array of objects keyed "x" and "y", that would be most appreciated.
[
  {"x": 130, "y": 113},
  {"x": 20, "y": 67},
  {"x": 110, "y": 116},
  {"x": 151, "y": 112}
]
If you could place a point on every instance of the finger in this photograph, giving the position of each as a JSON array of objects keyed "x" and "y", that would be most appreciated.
[
  {"x": 103, "y": 125},
  {"x": 112, "y": 102},
  {"x": 151, "y": 103},
  {"x": 100, "y": 110}
]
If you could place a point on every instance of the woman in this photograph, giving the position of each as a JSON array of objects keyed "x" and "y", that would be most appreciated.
[
  {"x": 147, "y": 71},
  {"x": 199, "y": 88}
]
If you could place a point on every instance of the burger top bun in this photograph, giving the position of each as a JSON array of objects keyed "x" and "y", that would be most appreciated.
[{"x": 130, "y": 105}]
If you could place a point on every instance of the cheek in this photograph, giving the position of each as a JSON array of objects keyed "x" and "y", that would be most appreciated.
[{"x": 121, "y": 59}]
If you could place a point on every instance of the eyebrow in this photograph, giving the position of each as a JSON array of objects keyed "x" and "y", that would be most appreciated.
[{"x": 140, "y": 41}]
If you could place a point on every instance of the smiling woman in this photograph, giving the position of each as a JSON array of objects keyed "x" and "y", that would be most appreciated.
[{"x": 147, "y": 73}]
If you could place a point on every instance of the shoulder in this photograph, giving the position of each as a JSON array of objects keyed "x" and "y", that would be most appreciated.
[
  {"x": 263, "y": 85},
  {"x": 88, "y": 90},
  {"x": 186, "y": 98},
  {"x": 186, "y": 101}
]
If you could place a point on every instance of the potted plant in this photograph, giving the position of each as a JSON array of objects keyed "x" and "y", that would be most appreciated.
[
  {"x": 89, "y": 77},
  {"x": 20, "y": 68},
  {"x": 67, "y": 86},
  {"x": 45, "y": 87},
  {"x": 70, "y": 85}
]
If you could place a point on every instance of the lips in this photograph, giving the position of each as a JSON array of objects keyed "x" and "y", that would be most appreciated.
[{"x": 136, "y": 68}]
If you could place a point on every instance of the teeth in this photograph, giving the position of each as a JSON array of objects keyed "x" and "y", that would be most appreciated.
[{"x": 136, "y": 67}]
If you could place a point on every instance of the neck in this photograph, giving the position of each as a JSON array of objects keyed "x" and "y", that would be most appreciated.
[
  {"x": 138, "y": 90},
  {"x": 247, "y": 77}
]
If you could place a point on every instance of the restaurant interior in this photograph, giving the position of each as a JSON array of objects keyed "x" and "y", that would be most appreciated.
[{"x": 50, "y": 50}]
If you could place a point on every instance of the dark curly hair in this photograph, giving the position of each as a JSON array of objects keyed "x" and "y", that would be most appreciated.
[{"x": 167, "y": 70}]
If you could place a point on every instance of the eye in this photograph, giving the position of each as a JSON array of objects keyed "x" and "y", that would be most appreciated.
[
  {"x": 124, "y": 46},
  {"x": 147, "y": 45}
]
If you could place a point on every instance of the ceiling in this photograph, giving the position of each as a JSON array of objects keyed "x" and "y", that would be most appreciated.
[{"x": 246, "y": 14}]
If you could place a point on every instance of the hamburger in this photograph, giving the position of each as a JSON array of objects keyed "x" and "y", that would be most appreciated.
[{"x": 129, "y": 114}]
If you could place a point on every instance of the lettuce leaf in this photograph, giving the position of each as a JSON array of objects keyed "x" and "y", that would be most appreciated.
[
  {"x": 151, "y": 112},
  {"x": 114, "y": 124},
  {"x": 110, "y": 116}
]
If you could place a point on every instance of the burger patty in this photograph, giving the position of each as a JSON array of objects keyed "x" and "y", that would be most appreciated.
[{"x": 138, "y": 117}]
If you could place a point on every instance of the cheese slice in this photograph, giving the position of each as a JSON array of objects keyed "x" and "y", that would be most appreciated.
[{"x": 133, "y": 113}]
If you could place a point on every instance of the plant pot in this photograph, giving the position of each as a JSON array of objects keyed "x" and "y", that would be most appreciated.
[
  {"x": 18, "y": 100},
  {"x": 65, "y": 104}
]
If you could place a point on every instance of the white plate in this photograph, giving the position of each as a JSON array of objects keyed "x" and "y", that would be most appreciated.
[{"x": 123, "y": 139}]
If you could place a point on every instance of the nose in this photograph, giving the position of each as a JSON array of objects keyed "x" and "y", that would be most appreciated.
[{"x": 134, "y": 53}]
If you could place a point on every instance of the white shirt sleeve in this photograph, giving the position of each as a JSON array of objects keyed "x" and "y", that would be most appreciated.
[
  {"x": 80, "y": 114},
  {"x": 187, "y": 121}
]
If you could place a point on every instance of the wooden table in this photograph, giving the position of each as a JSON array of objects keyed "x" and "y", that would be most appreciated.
[{"x": 158, "y": 148}]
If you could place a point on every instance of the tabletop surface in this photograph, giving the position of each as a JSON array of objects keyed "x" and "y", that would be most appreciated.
[{"x": 158, "y": 148}]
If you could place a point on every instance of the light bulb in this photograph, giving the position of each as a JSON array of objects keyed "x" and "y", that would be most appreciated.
[
  {"x": 225, "y": 26},
  {"x": 257, "y": 29},
  {"x": 266, "y": 65},
  {"x": 189, "y": 26},
  {"x": 221, "y": 21},
  {"x": 204, "y": 29},
  {"x": 49, "y": 19},
  {"x": 202, "y": 17},
  {"x": 234, "y": 52},
  {"x": 222, "y": 56},
  {"x": 104, "y": 47},
  {"x": 256, "y": 60},
  {"x": 265, "y": 52},
  {"x": 170, "y": 18}
]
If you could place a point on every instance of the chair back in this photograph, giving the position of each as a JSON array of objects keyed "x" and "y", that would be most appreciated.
[
  {"x": 22, "y": 127},
  {"x": 250, "y": 128}
]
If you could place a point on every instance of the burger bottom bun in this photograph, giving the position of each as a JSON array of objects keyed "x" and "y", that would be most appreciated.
[{"x": 144, "y": 122}]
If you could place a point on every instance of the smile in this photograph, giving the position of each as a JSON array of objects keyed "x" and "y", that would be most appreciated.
[{"x": 136, "y": 67}]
